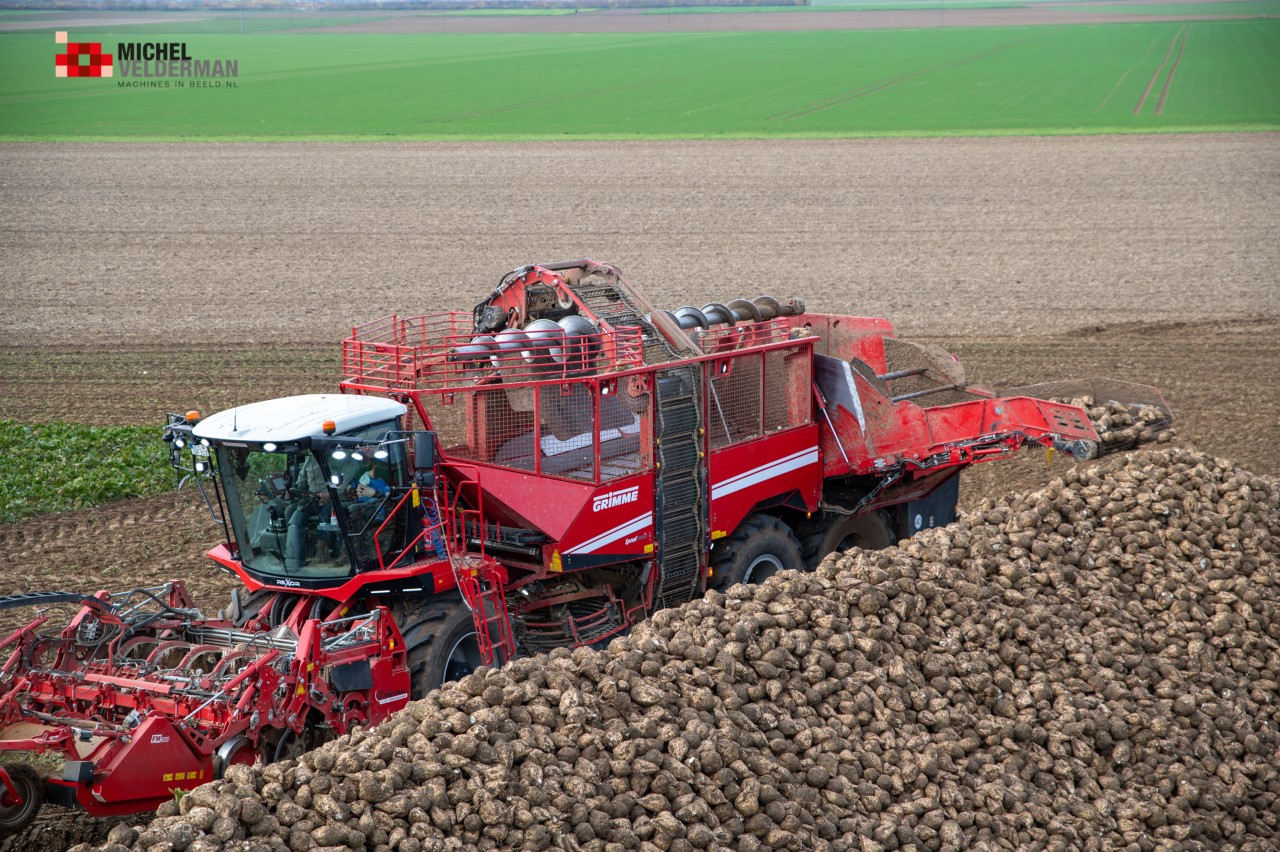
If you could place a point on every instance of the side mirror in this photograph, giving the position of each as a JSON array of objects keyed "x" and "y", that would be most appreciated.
[
  {"x": 425, "y": 455},
  {"x": 425, "y": 451}
]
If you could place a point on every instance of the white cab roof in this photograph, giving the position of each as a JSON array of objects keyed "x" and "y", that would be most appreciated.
[{"x": 295, "y": 417}]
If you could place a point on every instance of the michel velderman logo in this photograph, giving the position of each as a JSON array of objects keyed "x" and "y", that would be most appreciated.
[
  {"x": 82, "y": 59},
  {"x": 160, "y": 65}
]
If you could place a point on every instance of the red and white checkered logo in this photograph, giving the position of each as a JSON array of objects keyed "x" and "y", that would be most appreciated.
[{"x": 81, "y": 59}]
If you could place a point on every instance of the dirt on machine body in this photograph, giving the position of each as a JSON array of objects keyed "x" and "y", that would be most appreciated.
[{"x": 543, "y": 471}]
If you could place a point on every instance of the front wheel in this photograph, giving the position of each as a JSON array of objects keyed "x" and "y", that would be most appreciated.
[
  {"x": 15, "y": 815},
  {"x": 759, "y": 548},
  {"x": 440, "y": 640}
]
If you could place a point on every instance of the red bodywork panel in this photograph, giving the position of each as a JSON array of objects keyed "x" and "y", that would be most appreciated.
[
  {"x": 749, "y": 475},
  {"x": 436, "y": 576},
  {"x": 615, "y": 524},
  {"x": 539, "y": 502},
  {"x": 171, "y": 763}
]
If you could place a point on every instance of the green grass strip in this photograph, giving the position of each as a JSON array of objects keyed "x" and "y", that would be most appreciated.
[
  {"x": 968, "y": 81},
  {"x": 53, "y": 467}
]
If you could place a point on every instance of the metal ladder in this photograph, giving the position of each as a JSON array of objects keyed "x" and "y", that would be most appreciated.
[
  {"x": 480, "y": 580},
  {"x": 679, "y": 516},
  {"x": 680, "y": 509}
]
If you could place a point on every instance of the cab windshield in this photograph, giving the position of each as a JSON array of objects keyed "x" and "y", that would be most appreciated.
[{"x": 309, "y": 515}]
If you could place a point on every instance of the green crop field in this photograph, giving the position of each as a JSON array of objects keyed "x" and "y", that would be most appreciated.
[
  {"x": 870, "y": 6},
  {"x": 1215, "y": 8},
  {"x": 1030, "y": 80},
  {"x": 59, "y": 466}
]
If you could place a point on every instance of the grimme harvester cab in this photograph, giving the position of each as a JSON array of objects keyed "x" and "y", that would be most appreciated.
[{"x": 543, "y": 471}]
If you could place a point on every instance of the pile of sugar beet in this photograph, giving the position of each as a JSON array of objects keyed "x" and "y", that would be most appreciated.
[
  {"x": 1120, "y": 426},
  {"x": 1094, "y": 665}
]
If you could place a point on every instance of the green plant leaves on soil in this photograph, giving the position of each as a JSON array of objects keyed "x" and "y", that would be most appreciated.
[{"x": 52, "y": 467}]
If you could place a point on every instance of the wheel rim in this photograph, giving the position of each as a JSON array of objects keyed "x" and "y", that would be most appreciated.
[
  {"x": 463, "y": 659},
  {"x": 236, "y": 752},
  {"x": 762, "y": 568},
  {"x": 16, "y": 816}
]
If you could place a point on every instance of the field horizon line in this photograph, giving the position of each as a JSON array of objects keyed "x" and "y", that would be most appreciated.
[{"x": 11, "y": 139}]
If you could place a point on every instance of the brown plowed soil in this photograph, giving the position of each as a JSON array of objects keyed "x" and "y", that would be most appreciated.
[
  {"x": 56, "y": 830},
  {"x": 209, "y": 275},
  {"x": 121, "y": 545},
  {"x": 279, "y": 244}
]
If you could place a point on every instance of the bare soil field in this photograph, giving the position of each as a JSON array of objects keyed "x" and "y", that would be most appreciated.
[
  {"x": 140, "y": 279},
  {"x": 45, "y": 20},
  {"x": 269, "y": 244}
]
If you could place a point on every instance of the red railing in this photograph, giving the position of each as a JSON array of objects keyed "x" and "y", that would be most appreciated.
[
  {"x": 440, "y": 352},
  {"x": 481, "y": 581},
  {"x": 450, "y": 523},
  {"x": 455, "y": 518},
  {"x": 408, "y": 549}
]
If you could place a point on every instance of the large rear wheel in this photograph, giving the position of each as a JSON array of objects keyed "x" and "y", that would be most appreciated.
[
  {"x": 440, "y": 638},
  {"x": 831, "y": 533},
  {"x": 759, "y": 548}
]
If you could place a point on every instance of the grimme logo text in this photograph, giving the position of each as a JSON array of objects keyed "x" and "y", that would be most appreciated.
[
  {"x": 615, "y": 498},
  {"x": 148, "y": 64}
]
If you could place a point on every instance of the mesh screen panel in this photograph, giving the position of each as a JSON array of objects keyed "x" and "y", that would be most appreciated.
[
  {"x": 588, "y": 430},
  {"x": 787, "y": 388},
  {"x": 448, "y": 413},
  {"x": 568, "y": 416},
  {"x": 735, "y": 400},
  {"x": 777, "y": 405}
]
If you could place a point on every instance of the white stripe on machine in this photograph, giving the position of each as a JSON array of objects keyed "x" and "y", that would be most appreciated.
[
  {"x": 765, "y": 472},
  {"x": 631, "y": 526}
]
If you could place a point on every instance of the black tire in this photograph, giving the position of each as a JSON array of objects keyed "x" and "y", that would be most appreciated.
[
  {"x": 284, "y": 744},
  {"x": 251, "y": 605},
  {"x": 30, "y": 787},
  {"x": 759, "y": 548},
  {"x": 440, "y": 639},
  {"x": 828, "y": 533}
]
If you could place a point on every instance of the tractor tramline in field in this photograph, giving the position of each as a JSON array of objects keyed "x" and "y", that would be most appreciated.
[{"x": 541, "y": 472}]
